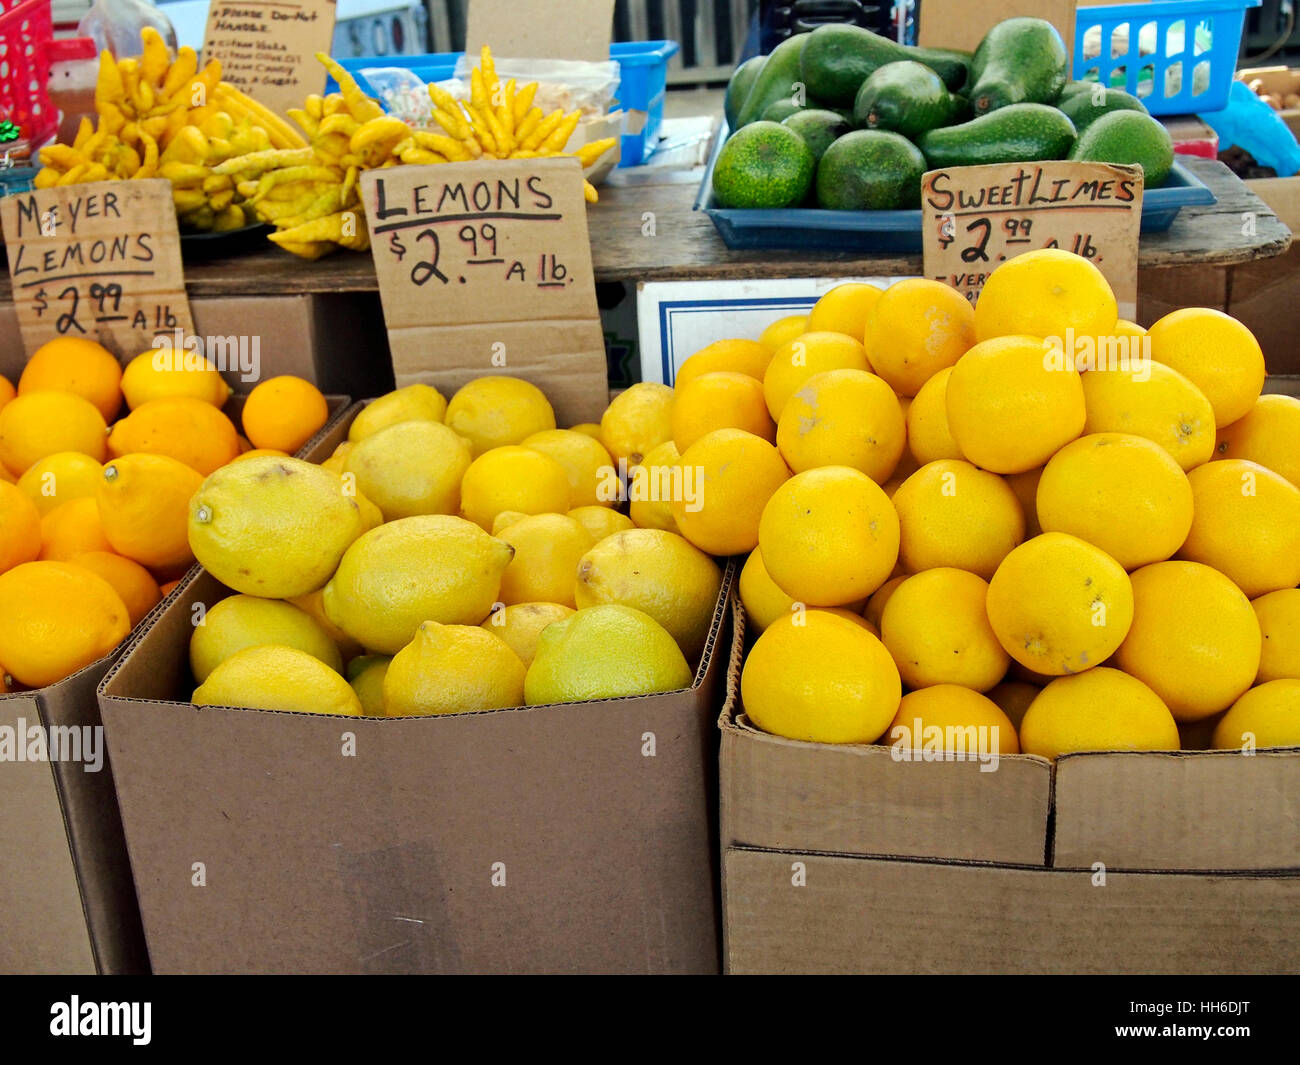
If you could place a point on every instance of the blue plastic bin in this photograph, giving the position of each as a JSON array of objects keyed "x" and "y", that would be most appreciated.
[
  {"x": 643, "y": 70},
  {"x": 1208, "y": 63}
]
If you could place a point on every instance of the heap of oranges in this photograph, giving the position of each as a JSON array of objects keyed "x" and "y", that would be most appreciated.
[{"x": 93, "y": 506}]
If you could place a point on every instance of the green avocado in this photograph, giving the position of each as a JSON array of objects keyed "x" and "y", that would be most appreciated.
[
  {"x": 1020, "y": 60},
  {"x": 1129, "y": 137},
  {"x": 763, "y": 164},
  {"x": 1083, "y": 110},
  {"x": 1019, "y": 133},
  {"x": 906, "y": 97},
  {"x": 839, "y": 58},
  {"x": 779, "y": 78},
  {"x": 870, "y": 170},
  {"x": 742, "y": 80}
]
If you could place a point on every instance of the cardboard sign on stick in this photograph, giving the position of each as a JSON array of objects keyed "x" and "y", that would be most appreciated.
[{"x": 541, "y": 29}]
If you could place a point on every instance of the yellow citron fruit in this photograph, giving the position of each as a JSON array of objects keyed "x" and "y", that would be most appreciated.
[
  {"x": 188, "y": 430},
  {"x": 952, "y": 514},
  {"x": 636, "y": 421},
  {"x": 271, "y": 677},
  {"x": 1013, "y": 698},
  {"x": 409, "y": 468},
  {"x": 1010, "y": 408},
  {"x": 513, "y": 478},
  {"x": 82, "y": 367},
  {"x": 599, "y": 521},
  {"x": 491, "y": 412},
  {"x": 918, "y": 328},
  {"x": 954, "y": 720},
  {"x": 1122, "y": 493},
  {"x": 783, "y": 330},
  {"x": 132, "y": 582},
  {"x": 520, "y": 625},
  {"x": 591, "y": 429},
  {"x": 1195, "y": 639},
  {"x": 275, "y": 528},
  {"x": 1246, "y": 524},
  {"x": 1267, "y": 716},
  {"x": 1103, "y": 709},
  {"x": 1059, "y": 605},
  {"x": 829, "y": 536},
  {"x": 593, "y": 481},
  {"x": 1279, "y": 624},
  {"x": 1044, "y": 294},
  {"x": 874, "y": 610},
  {"x": 605, "y": 652},
  {"x": 414, "y": 403},
  {"x": 311, "y": 604},
  {"x": 726, "y": 480},
  {"x": 143, "y": 502},
  {"x": 928, "y": 436},
  {"x": 844, "y": 309},
  {"x": 162, "y": 373},
  {"x": 365, "y": 676},
  {"x": 1025, "y": 487},
  {"x": 764, "y": 602},
  {"x": 658, "y": 573},
  {"x": 506, "y": 519},
  {"x": 720, "y": 400},
  {"x": 1164, "y": 407},
  {"x": 56, "y": 618},
  {"x": 241, "y": 621},
  {"x": 1216, "y": 353},
  {"x": 734, "y": 356},
  {"x": 20, "y": 528},
  {"x": 39, "y": 424},
  {"x": 452, "y": 669},
  {"x": 817, "y": 677},
  {"x": 843, "y": 418},
  {"x": 812, "y": 353},
  {"x": 652, "y": 486},
  {"x": 548, "y": 549},
  {"x": 936, "y": 627},
  {"x": 433, "y": 567},
  {"x": 1268, "y": 433},
  {"x": 284, "y": 413},
  {"x": 72, "y": 529},
  {"x": 1125, "y": 328}
]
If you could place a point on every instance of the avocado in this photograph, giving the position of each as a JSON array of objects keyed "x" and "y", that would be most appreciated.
[
  {"x": 780, "y": 110},
  {"x": 1128, "y": 137},
  {"x": 949, "y": 63},
  {"x": 1019, "y": 133},
  {"x": 1083, "y": 111},
  {"x": 906, "y": 97},
  {"x": 839, "y": 58},
  {"x": 1020, "y": 60},
  {"x": 763, "y": 164},
  {"x": 742, "y": 80},
  {"x": 870, "y": 170},
  {"x": 819, "y": 128},
  {"x": 779, "y": 79},
  {"x": 1073, "y": 88}
]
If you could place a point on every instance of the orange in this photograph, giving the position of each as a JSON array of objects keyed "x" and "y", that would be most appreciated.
[
  {"x": 954, "y": 720},
  {"x": 284, "y": 413},
  {"x": 783, "y": 330},
  {"x": 844, "y": 309},
  {"x": 55, "y": 619},
  {"x": 144, "y": 506},
  {"x": 1164, "y": 407},
  {"x": 584, "y": 459},
  {"x": 1101, "y": 710},
  {"x": 1267, "y": 716},
  {"x": 1218, "y": 354},
  {"x": 843, "y": 418},
  {"x": 1279, "y": 623},
  {"x": 1268, "y": 433},
  {"x": 1246, "y": 524},
  {"x": 72, "y": 529},
  {"x": 82, "y": 367},
  {"x": 874, "y": 611},
  {"x": 720, "y": 400},
  {"x": 163, "y": 373},
  {"x": 7, "y": 390},
  {"x": 38, "y": 424},
  {"x": 139, "y": 591},
  {"x": 651, "y": 487},
  {"x": 20, "y": 528},
  {"x": 928, "y": 436},
  {"x": 918, "y": 327},
  {"x": 59, "y": 479},
  {"x": 1013, "y": 698},
  {"x": 726, "y": 480},
  {"x": 188, "y": 430},
  {"x": 793, "y": 363},
  {"x": 1044, "y": 294},
  {"x": 735, "y": 356}
]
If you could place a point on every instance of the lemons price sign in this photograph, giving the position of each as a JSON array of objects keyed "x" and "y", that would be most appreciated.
[{"x": 976, "y": 217}]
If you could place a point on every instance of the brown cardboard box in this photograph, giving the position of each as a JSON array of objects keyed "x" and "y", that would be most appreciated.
[
  {"x": 1278, "y": 81},
  {"x": 1265, "y": 295},
  {"x": 575, "y": 838},
  {"x": 963, "y": 23}
]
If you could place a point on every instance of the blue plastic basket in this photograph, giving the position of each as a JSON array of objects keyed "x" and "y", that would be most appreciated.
[
  {"x": 1194, "y": 47},
  {"x": 643, "y": 70}
]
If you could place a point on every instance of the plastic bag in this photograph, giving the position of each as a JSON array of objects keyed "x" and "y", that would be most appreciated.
[
  {"x": 562, "y": 84},
  {"x": 403, "y": 93}
]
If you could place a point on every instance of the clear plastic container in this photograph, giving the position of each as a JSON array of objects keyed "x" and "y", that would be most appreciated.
[{"x": 116, "y": 25}]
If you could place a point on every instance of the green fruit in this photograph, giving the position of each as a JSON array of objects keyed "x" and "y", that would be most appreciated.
[
  {"x": 1083, "y": 111},
  {"x": 763, "y": 164},
  {"x": 870, "y": 170},
  {"x": 1019, "y": 133},
  {"x": 1128, "y": 137},
  {"x": 742, "y": 80},
  {"x": 906, "y": 97},
  {"x": 819, "y": 128},
  {"x": 780, "y": 110},
  {"x": 1020, "y": 60},
  {"x": 779, "y": 79},
  {"x": 839, "y": 58},
  {"x": 1073, "y": 88}
]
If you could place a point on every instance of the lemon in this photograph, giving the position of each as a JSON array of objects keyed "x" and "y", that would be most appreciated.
[
  {"x": 1267, "y": 716},
  {"x": 585, "y": 461},
  {"x": 414, "y": 403},
  {"x": 521, "y": 625},
  {"x": 829, "y": 536},
  {"x": 366, "y": 676},
  {"x": 142, "y": 502},
  {"x": 783, "y": 330},
  {"x": 604, "y": 652},
  {"x": 1194, "y": 640},
  {"x": 272, "y": 527},
  {"x": 1216, "y": 353},
  {"x": 271, "y": 677},
  {"x": 1269, "y": 433},
  {"x": 843, "y": 418},
  {"x": 452, "y": 669},
  {"x": 242, "y": 621},
  {"x": 433, "y": 567},
  {"x": 492, "y": 412},
  {"x": 737, "y": 356},
  {"x": 548, "y": 548},
  {"x": 874, "y": 611},
  {"x": 844, "y": 309},
  {"x": 1101, "y": 710},
  {"x": 928, "y": 436},
  {"x": 410, "y": 468},
  {"x": 937, "y": 629},
  {"x": 719, "y": 400},
  {"x": 1013, "y": 698},
  {"x": 162, "y": 374},
  {"x": 726, "y": 480},
  {"x": 591, "y": 429},
  {"x": 952, "y": 719},
  {"x": 918, "y": 328},
  {"x": 513, "y": 478},
  {"x": 764, "y": 602},
  {"x": 1059, "y": 605},
  {"x": 1165, "y": 408},
  {"x": 1279, "y": 623},
  {"x": 658, "y": 573},
  {"x": 1044, "y": 294},
  {"x": 652, "y": 485},
  {"x": 40, "y": 424},
  {"x": 600, "y": 521},
  {"x": 311, "y": 603},
  {"x": 60, "y": 478},
  {"x": 807, "y": 355},
  {"x": 505, "y": 519},
  {"x": 636, "y": 420},
  {"x": 818, "y": 677}
]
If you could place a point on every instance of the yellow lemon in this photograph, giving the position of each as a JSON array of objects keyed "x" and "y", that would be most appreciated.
[
  {"x": 1267, "y": 716},
  {"x": 548, "y": 548},
  {"x": 1013, "y": 698},
  {"x": 366, "y": 677},
  {"x": 1279, "y": 624},
  {"x": 169, "y": 374},
  {"x": 1268, "y": 433},
  {"x": 311, "y": 604},
  {"x": 452, "y": 669},
  {"x": 1216, "y": 353},
  {"x": 585, "y": 461},
  {"x": 491, "y": 412},
  {"x": 410, "y": 468},
  {"x": 652, "y": 485},
  {"x": 726, "y": 480},
  {"x": 636, "y": 420},
  {"x": 270, "y": 677},
  {"x": 521, "y": 625},
  {"x": 720, "y": 400},
  {"x": 39, "y": 424},
  {"x": 241, "y": 621},
  {"x": 764, "y": 602},
  {"x": 600, "y": 521},
  {"x": 513, "y": 478},
  {"x": 1100, "y": 710},
  {"x": 737, "y": 356},
  {"x": 505, "y": 519},
  {"x": 918, "y": 328},
  {"x": 143, "y": 503},
  {"x": 804, "y": 357},
  {"x": 783, "y": 330},
  {"x": 414, "y": 403},
  {"x": 952, "y": 719},
  {"x": 843, "y": 418},
  {"x": 874, "y": 610},
  {"x": 844, "y": 309},
  {"x": 1164, "y": 407},
  {"x": 1044, "y": 294},
  {"x": 928, "y": 437},
  {"x": 591, "y": 429}
]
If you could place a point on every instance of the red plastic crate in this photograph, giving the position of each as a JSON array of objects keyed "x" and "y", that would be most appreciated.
[{"x": 25, "y": 31}]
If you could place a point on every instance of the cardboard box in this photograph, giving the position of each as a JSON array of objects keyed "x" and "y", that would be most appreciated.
[
  {"x": 1265, "y": 295},
  {"x": 1280, "y": 82},
  {"x": 963, "y": 23},
  {"x": 574, "y": 838}
]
